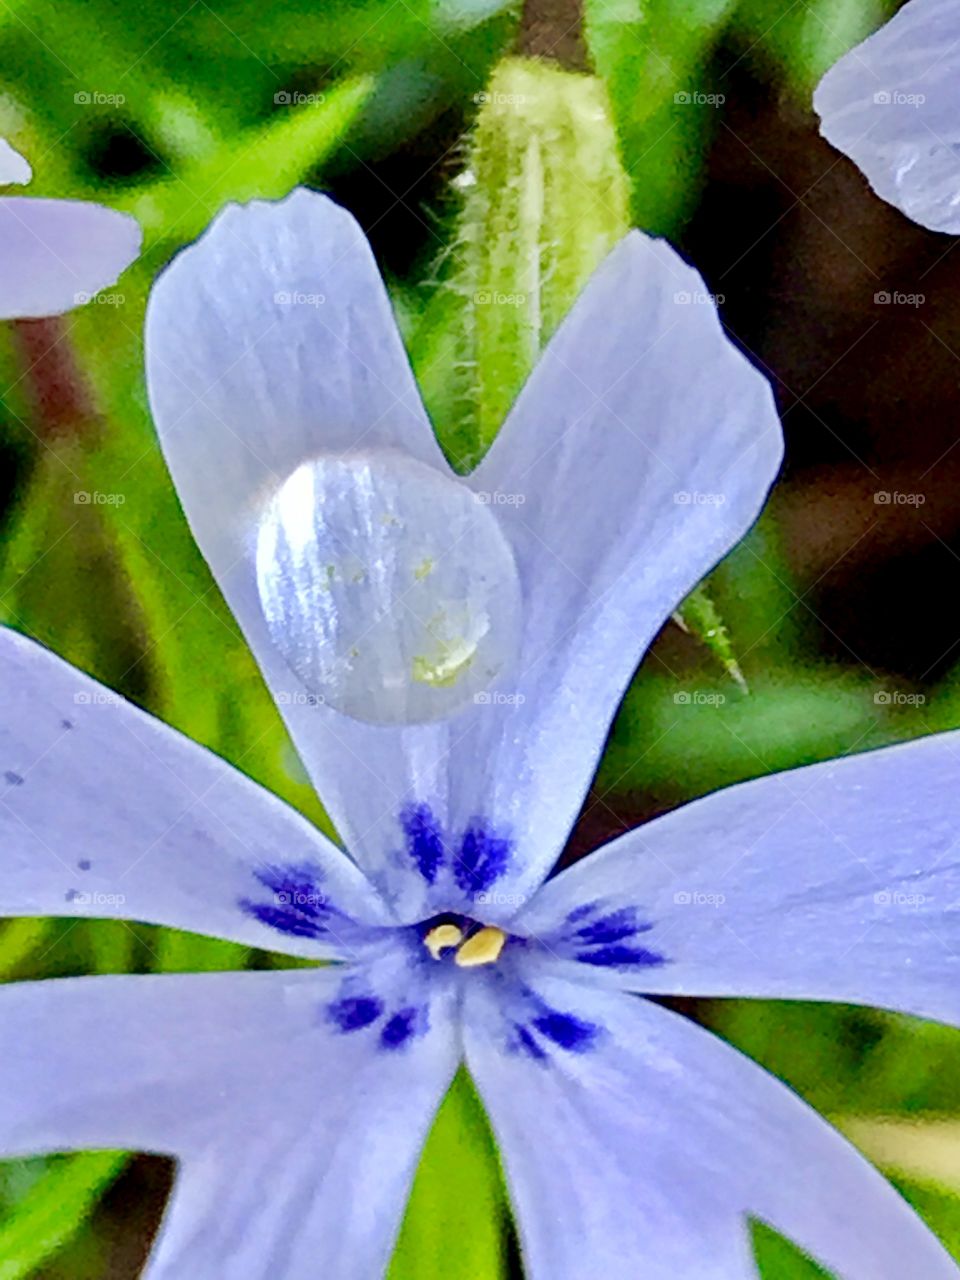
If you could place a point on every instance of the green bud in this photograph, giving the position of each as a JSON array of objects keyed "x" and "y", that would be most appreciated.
[{"x": 544, "y": 201}]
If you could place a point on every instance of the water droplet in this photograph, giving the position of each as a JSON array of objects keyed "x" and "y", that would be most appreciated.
[{"x": 389, "y": 589}]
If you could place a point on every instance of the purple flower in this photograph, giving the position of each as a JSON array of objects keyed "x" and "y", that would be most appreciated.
[
  {"x": 56, "y": 254},
  {"x": 297, "y": 1102},
  {"x": 892, "y": 105}
]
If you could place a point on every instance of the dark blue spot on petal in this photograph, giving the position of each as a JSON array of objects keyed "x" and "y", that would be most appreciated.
[
  {"x": 526, "y": 1043},
  {"x": 14, "y": 779},
  {"x": 580, "y": 913},
  {"x": 483, "y": 859},
  {"x": 424, "y": 840},
  {"x": 402, "y": 1026},
  {"x": 353, "y": 1013},
  {"x": 298, "y": 906},
  {"x": 611, "y": 957},
  {"x": 282, "y": 919},
  {"x": 567, "y": 1031},
  {"x": 613, "y": 927},
  {"x": 297, "y": 887},
  {"x": 84, "y": 864}
]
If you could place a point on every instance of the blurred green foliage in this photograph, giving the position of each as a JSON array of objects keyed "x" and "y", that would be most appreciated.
[{"x": 170, "y": 113}]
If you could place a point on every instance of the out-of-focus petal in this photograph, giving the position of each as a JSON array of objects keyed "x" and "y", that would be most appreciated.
[
  {"x": 839, "y": 881},
  {"x": 298, "y": 1140},
  {"x": 57, "y": 254},
  {"x": 892, "y": 104},
  {"x": 641, "y": 1149},
  {"x": 104, "y": 811},
  {"x": 13, "y": 167}
]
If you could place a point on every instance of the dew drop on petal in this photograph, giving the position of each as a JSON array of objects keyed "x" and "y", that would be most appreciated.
[{"x": 390, "y": 590}]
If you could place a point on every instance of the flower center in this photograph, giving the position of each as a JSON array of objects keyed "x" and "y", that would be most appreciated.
[
  {"x": 473, "y": 945},
  {"x": 387, "y": 586}
]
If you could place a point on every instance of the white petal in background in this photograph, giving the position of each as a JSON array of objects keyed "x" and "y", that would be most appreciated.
[
  {"x": 56, "y": 254},
  {"x": 655, "y": 1146},
  {"x": 13, "y": 167},
  {"x": 104, "y": 811},
  {"x": 839, "y": 881},
  {"x": 298, "y": 1143},
  {"x": 642, "y": 449},
  {"x": 892, "y": 104}
]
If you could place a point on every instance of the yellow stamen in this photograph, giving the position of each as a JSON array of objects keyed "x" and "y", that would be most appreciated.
[
  {"x": 441, "y": 938},
  {"x": 482, "y": 947}
]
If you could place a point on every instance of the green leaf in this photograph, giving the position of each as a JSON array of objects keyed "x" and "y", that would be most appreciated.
[
  {"x": 654, "y": 57},
  {"x": 264, "y": 163},
  {"x": 457, "y": 1212},
  {"x": 19, "y": 941},
  {"x": 699, "y": 615},
  {"x": 53, "y": 1209},
  {"x": 799, "y": 43}
]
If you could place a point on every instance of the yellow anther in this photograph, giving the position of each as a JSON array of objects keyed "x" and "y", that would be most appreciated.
[
  {"x": 441, "y": 938},
  {"x": 482, "y": 947}
]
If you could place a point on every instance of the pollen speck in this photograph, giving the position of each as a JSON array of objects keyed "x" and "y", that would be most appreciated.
[
  {"x": 444, "y": 670},
  {"x": 441, "y": 938},
  {"x": 423, "y": 569},
  {"x": 482, "y": 947}
]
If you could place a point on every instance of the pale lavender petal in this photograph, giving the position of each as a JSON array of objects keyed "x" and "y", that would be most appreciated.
[
  {"x": 57, "y": 254},
  {"x": 13, "y": 167},
  {"x": 104, "y": 811},
  {"x": 637, "y": 455},
  {"x": 298, "y": 1139},
  {"x": 641, "y": 1149},
  {"x": 839, "y": 881},
  {"x": 892, "y": 104},
  {"x": 245, "y": 389}
]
